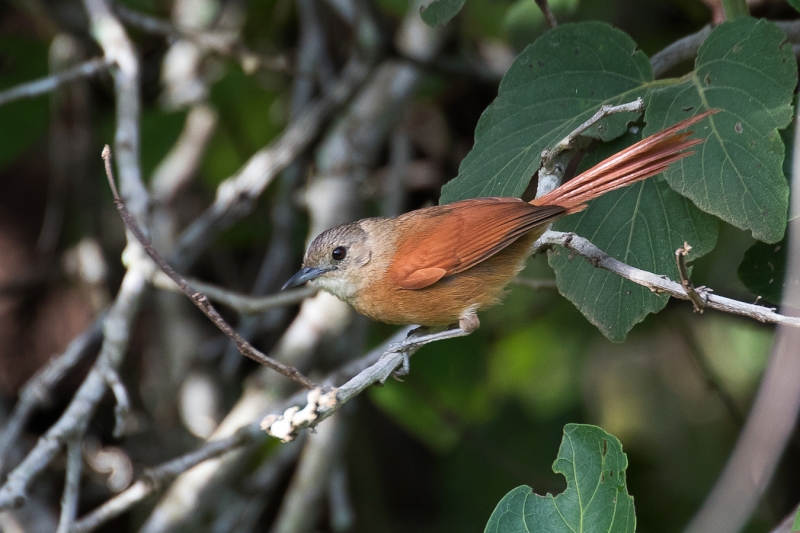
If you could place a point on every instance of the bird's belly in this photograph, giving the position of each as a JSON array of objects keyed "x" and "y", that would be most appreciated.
[{"x": 447, "y": 300}]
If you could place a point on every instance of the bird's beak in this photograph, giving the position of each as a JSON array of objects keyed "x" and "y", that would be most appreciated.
[{"x": 305, "y": 274}]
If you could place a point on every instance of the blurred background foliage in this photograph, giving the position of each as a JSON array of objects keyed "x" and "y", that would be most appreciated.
[{"x": 477, "y": 416}]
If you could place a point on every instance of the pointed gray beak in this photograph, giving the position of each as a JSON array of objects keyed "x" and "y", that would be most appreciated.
[{"x": 305, "y": 274}]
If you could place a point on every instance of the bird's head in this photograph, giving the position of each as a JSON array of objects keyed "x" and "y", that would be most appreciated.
[{"x": 334, "y": 261}]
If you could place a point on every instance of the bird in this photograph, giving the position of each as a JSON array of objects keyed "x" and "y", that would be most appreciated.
[{"x": 436, "y": 267}]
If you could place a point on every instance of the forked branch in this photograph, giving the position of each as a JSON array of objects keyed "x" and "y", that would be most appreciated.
[{"x": 197, "y": 297}]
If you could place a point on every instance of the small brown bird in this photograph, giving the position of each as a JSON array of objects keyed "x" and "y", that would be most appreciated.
[{"x": 440, "y": 265}]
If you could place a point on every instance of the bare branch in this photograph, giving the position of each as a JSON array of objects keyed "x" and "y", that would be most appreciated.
[
  {"x": 680, "y": 258},
  {"x": 219, "y": 42},
  {"x": 122, "y": 411},
  {"x": 242, "y": 303},
  {"x": 116, "y": 329},
  {"x": 555, "y": 160},
  {"x": 661, "y": 284},
  {"x": 182, "y": 161},
  {"x": 197, "y": 298},
  {"x": 72, "y": 485},
  {"x": 32, "y": 89},
  {"x": 37, "y": 390},
  {"x": 547, "y": 12},
  {"x": 117, "y": 47},
  {"x": 686, "y": 47},
  {"x": 676, "y": 53},
  {"x": 235, "y": 196},
  {"x": 155, "y": 478}
]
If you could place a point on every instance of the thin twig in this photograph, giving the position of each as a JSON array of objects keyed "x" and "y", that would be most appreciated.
[
  {"x": 122, "y": 411},
  {"x": 155, "y": 478},
  {"x": 219, "y": 42},
  {"x": 686, "y": 47},
  {"x": 36, "y": 391},
  {"x": 236, "y": 195},
  {"x": 35, "y": 88},
  {"x": 72, "y": 486},
  {"x": 117, "y": 47},
  {"x": 661, "y": 284},
  {"x": 241, "y": 303},
  {"x": 698, "y": 301},
  {"x": 197, "y": 298},
  {"x": 547, "y": 12},
  {"x": 75, "y": 419},
  {"x": 554, "y": 160}
]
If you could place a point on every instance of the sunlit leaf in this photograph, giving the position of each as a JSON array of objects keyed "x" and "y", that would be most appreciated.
[{"x": 596, "y": 498}]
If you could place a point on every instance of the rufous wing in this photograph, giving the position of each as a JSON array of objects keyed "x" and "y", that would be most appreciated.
[{"x": 445, "y": 240}]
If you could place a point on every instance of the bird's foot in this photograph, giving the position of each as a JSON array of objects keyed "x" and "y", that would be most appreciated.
[{"x": 418, "y": 338}]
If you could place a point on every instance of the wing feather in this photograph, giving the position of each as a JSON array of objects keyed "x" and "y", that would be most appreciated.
[{"x": 445, "y": 240}]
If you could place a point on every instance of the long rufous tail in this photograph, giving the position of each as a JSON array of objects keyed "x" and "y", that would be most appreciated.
[{"x": 646, "y": 158}]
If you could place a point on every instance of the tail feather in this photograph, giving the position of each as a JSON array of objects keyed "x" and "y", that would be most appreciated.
[{"x": 646, "y": 158}]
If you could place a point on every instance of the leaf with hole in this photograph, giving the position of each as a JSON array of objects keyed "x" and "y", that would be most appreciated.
[
  {"x": 596, "y": 498},
  {"x": 746, "y": 69}
]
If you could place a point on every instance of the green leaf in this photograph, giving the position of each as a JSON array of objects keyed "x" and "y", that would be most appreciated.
[
  {"x": 763, "y": 270},
  {"x": 795, "y": 4},
  {"x": 641, "y": 225},
  {"x": 554, "y": 85},
  {"x": 596, "y": 498},
  {"x": 746, "y": 69},
  {"x": 796, "y": 523},
  {"x": 440, "y": 12}
]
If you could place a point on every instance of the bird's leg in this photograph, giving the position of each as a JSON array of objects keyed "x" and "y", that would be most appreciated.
[{"x": 425, "y": 335}]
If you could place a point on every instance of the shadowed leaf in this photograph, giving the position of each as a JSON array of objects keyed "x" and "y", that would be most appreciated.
[
  {"x": 746, "y": 69},
  {"x": 556, "y": 84},
  {"x": 440, "y": 12}
]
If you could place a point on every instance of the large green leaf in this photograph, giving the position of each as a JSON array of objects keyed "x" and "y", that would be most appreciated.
[
  {"x": 553, "y": 86},
  {"x": 641, "y": 225},
  {"x": 746, "y": 69},
  {"x": 440, "y": 12},
  {"x": 596, "y": 498}
]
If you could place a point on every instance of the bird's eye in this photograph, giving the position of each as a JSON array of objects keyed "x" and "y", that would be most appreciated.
[{"x": 339, "y": 253}]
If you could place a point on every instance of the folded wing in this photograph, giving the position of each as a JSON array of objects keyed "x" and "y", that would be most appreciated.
[{"x": 455, "y": 237}]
